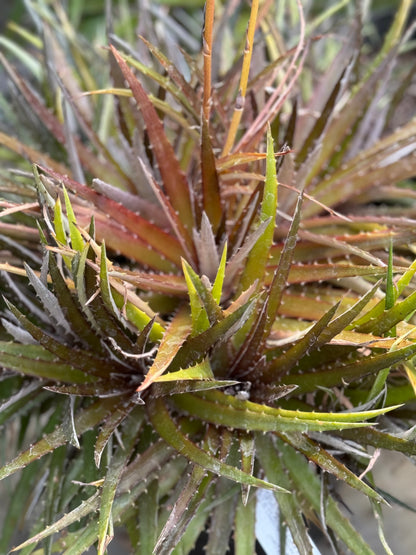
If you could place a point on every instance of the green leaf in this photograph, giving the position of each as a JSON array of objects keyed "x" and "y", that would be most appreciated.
[
  {"x": 116, "y": 299},
  {"x": 244, "y": 525},
  {"x": 390, "y": 289},
  {"x": 80, "y": 541},
  {"x": 85, "y": 420},
  {"x": 191, "y": 496},
  {"x": 288, "y": 504},
  {"x": 342, "y": 321},
  {"x": 257, "y": 260},
  {"x": 101, "y": 319},
  {"x": 54, "y": 492},
  {"x": 319, "y": 127},
  {"x": 378, "y": 309},
  {"x": 226, "y": 410},
  {"x": 200, "y": 320},
  {"x": 219, "y": 278},
  {"x": 85, "y": 508},
  {"x": 148, "y": 515},
  {"x": 221, "y": 518},
  {"x": 396, "y": 314},
  {"x": 77, "y": 241},
  {"x": 345, "y": 373},
  {"x": 163, "y": 389},
  {"x": 117, "y": 464},
  {"x": 145, "y": 464},
  {"x": 136, "y": 315},
  {"x": 105, "y": 284},
  {"x": 290, "y": 357},
  {"x": 248, "y": 452},
  {"x": 379, "y": 384},
  {"x": 49, "y": 301},
  {"x": 35, "y": 360},
  {"x": 19, "y": 401},
  {"x": 378, "y": 439},
  {"x": 110, "y": 425},
  {"x": 195, "y": 348},
  {"x": 196, "y": 526},
  {"x": 91, "y": 365},
  {"x": 201, "y": 371},
  {"x": 17, "y": 504},
  {"x": 58, "y": 222},
  {"x": 168, "y": 430},
  {"x": 24, "y": 56},
  {"x": 100, "y": 388},
  {"x": 319, "y": 335},
  {"x": 314, "y": 452},
  {"x": 395, "y": 32},
  {"x": 307, "y": 481},
  {"x": 406, "y": 278},
  {"x": 78, "y": 321},
  {"x": 248, "y": 341},
  {"x": 281, "y": 274},
  {"x": 380, "y": 524},
  {"x": 209, "y": 305}
]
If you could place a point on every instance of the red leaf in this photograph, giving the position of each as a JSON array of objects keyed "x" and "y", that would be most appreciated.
[{"x": 174, "y": 179}]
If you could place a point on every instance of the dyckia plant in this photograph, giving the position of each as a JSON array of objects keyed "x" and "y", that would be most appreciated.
[{"x": 207, "y": 273}]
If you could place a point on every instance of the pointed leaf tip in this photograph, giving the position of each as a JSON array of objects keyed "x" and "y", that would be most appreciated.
[{"x": 258, "y": 257}]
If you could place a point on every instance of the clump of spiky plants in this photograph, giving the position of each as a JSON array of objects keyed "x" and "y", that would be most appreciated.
[{"x": 192, "y": 310}]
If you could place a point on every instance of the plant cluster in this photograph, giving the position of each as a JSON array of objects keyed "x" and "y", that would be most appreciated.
[{"x": 207, "y": 272}]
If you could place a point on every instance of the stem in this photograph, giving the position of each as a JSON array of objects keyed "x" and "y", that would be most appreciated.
[
  {"x": 207, "y": 52},
  {"x": 280, "y": 94},
  {"x": 240, "y": 101}
]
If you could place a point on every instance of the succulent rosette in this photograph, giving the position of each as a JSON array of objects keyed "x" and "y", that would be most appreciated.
[{"x": 207, "y": 272}]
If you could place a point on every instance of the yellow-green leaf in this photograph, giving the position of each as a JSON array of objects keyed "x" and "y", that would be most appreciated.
[
  {"x": 76, "y": 238},
  {"x": 171, "y": 342},
  {"x": 201, "y": 371}
]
